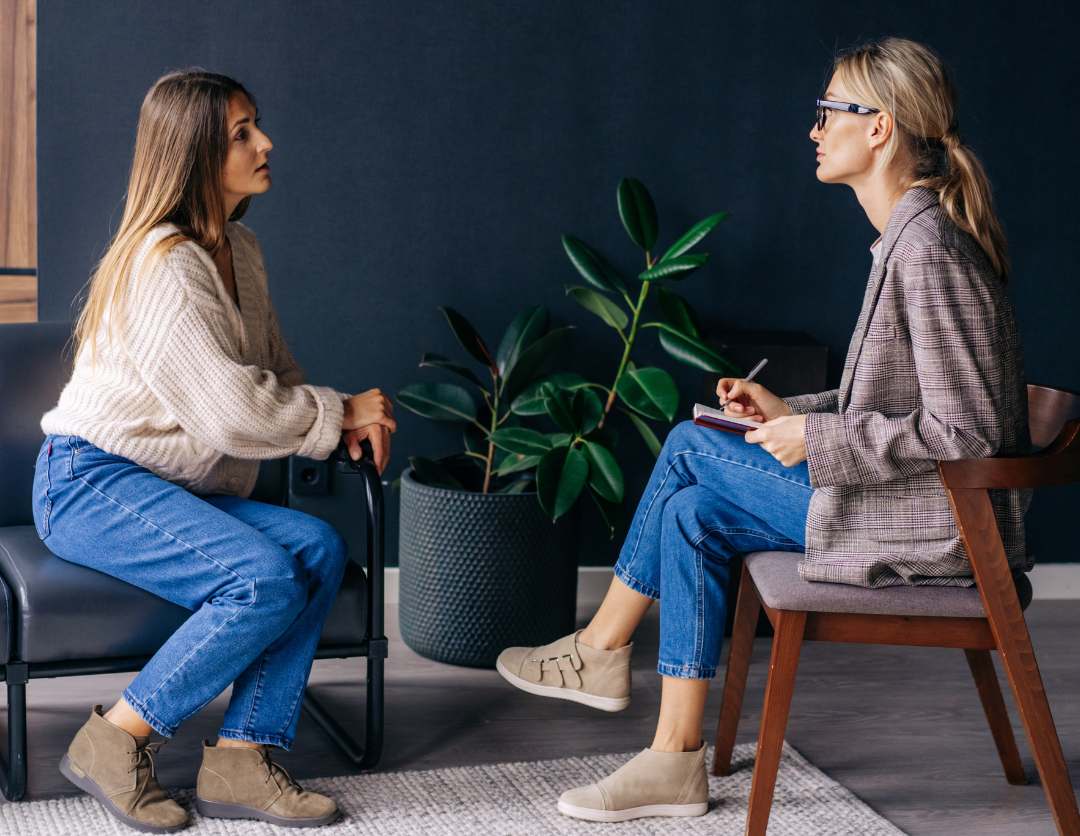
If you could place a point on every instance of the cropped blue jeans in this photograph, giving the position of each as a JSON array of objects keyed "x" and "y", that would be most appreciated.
[
  {"x": 711, "y": 496},
  {"x": 259, "y": 579}
]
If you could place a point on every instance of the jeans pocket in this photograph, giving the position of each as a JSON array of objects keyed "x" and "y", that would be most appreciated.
[{"x": 42, "y": 500}]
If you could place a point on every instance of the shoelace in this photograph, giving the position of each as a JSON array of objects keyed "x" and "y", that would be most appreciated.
[
  {"x": 149, "y": 750},
  {"x": 271, "y": 766}
]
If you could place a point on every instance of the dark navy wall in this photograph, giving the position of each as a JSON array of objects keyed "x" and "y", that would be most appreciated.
[{"x": 431, "y": 153}]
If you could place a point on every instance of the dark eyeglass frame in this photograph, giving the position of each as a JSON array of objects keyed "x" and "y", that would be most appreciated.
[{"x": 824, "y": 106}]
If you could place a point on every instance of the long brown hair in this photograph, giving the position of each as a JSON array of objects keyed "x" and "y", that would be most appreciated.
[
  {"x": 180, "y": 152},
  {"x": 909, "y": 81}
]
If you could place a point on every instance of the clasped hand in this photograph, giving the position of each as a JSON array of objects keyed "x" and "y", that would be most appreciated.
[
  {"x": 369, "y": 415},
  {"x": 782, "y": 433}
]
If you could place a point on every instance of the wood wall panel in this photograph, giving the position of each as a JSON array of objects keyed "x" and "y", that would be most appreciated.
[{"x": 18, "y": 186}]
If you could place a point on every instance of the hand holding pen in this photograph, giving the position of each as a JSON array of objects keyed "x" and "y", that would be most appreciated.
[
  {"x": 748, "y": 378},
  {"x": 743, "y": 398}
]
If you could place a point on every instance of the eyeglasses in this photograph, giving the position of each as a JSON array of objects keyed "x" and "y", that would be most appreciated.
[{"x": 823, "y": 108}]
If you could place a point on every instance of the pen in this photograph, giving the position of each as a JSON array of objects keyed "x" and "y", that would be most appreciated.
[{"x": 750, "y": 376}]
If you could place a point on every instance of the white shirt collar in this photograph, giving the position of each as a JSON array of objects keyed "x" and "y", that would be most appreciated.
[{"x": 875, "y": 250}]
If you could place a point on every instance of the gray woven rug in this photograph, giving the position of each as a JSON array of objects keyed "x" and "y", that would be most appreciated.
[{"x": 505, "y": 799}]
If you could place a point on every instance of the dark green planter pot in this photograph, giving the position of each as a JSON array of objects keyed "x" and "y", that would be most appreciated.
[{"x": 480, "y": 573}]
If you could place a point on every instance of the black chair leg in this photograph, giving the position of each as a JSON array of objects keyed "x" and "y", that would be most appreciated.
[
  {"x": 362, "y": 757},
  {"x": 13, "y": 767}
]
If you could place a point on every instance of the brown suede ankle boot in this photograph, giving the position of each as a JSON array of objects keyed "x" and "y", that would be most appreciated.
[
  {"x": 241, "y": 783},
  {"x": 118, "y": 770}
]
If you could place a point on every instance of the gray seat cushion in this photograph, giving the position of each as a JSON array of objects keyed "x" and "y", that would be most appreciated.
[
  {"x": 776, "y": 576},
  {"x": 64, "y": 611}
]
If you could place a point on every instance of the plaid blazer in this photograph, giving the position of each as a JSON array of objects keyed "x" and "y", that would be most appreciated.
[{"x": 934, "y": 371}]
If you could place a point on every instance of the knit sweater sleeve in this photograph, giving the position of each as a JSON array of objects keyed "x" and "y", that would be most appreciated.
[{"x": 178, "y": 335}]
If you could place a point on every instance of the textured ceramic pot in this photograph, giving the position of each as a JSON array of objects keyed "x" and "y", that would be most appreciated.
[{"x": 483, "y": 572}]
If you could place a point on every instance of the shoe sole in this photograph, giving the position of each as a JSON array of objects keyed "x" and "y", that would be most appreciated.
[
  {"x": 589, "y": 814},
  {"x": 603, "y": 703},
  {"x": 223, "y": 810},
  {"x": 86, "y": 784}
]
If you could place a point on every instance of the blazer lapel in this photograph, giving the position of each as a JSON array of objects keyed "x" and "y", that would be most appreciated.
[{"x": 912, "y": 204}]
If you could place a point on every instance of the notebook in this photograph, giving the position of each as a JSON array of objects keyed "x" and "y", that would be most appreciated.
[{"x": 705, "y": 416}]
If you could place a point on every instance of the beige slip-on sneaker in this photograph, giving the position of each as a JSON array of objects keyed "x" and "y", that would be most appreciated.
[
  {"x": 568, "y": 670},
  {"x": 241, "y": 783},
  {"x": 650, "y": 784},
  {"x": 118, "y": 770}
]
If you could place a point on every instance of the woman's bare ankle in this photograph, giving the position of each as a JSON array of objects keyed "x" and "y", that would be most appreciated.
[
  {"x": 590, "y": 637},
  {"x": 123, "y": 716},
  {"x": 229, "y": 743},
  {"x": 675, "y": 744}
]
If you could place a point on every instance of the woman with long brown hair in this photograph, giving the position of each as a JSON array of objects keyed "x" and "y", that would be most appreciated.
[
  {"x": 182, "y": 383},
  {"x": 847, "y": 477}
]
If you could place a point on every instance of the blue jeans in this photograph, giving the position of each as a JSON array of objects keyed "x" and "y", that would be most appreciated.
[
  {"x": 711, "y": 496},
  {"x": 259, "y": 579}
]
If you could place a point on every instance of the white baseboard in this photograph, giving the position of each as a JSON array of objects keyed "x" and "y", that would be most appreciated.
[
  {"x": 1055, "y": 581},
  {"x": 1050, "y": 581}
]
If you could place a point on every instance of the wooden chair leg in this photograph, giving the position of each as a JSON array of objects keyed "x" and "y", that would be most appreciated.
[
  {"x": 747, "y": 609},
  {"x": 986, "y": 681},
  {"x": 975, "y": 515},
  {"x": 787, "y": 643},
  {"x": 1018, "y": 658}
]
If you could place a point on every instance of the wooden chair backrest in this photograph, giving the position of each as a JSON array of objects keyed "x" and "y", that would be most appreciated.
[{"x": 1048, "y": 410}]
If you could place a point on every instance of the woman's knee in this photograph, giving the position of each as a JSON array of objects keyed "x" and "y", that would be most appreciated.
[
  {"x": 684, "y": 511},
  {"x": 328, "y": 550}
]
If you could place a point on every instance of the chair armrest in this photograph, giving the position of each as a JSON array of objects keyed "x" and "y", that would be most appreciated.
[
  {"x": 345, "y": 460},
  {"x": 1058, "y": 464},
  {"x": 376, "y": 533}
]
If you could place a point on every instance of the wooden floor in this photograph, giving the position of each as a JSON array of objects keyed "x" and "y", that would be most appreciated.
[{"x": 900, "y": 727}]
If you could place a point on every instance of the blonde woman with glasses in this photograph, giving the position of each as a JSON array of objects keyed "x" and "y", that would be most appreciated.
[
  {"x": 847, "y": 477},
  {"x": 182, "y": 383}
]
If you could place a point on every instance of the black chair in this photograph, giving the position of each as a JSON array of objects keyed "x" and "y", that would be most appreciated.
[{"x": 61, "y": 619}]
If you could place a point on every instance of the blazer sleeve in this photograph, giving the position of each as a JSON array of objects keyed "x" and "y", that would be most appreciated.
[
  {"x": 192, "y": 365},
  {"x": 821, "y": 402},
  {"x": 951, "y": 309}
]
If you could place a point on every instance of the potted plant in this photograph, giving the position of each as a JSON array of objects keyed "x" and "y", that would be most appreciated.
[{"x": 482, "y": 566}]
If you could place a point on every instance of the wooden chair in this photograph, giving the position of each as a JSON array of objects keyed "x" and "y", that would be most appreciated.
[{"x": 977, "y": 620}]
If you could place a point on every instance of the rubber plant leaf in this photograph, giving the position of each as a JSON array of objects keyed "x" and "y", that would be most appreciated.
[
  {"x": 525, "y": 329},
  {"x": 695, "y": 234},
  {"x": 531, "y": 400},
  {"x": 559, "y": 405},
  {"x": 530, "y": 361},
  {"x": 433, "y": 474},
  {"x": 678, "y": 313},
  {"x": 605, "y": 476},
  {"x": 651, "y": 392},
  {"x": 560, "y": 479},
  {"x": 675, "y": 269},
  {"x": 468, "y": 337},
  {"x": 437, "y": 361},
  {"x": 612, "y": 512},
  {"x": 592, "y": 266},
  {"x": 600, "y": 305},
  {"x": 693, "y": 352},
  {"x": 638, "y": 212},
  {"x": 441, "y": 401},
  {"x": 651, "y": 441},
  {"x": 605, "y": 436},
  {"x": 587, "y": 410},
  {"x": 514, "y": 463},
  {"x": 522, "y": 441}
]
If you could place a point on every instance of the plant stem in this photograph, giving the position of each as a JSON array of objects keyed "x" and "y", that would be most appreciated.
[
  {"x": 629, "y": 348},
  {"x": 494, "y": 426}
]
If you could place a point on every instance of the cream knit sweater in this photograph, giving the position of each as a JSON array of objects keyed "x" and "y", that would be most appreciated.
[{"x": 197, "y": 391}]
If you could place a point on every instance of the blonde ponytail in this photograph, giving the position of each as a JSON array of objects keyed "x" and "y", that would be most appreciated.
[{"x": 909, "y": 81}]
